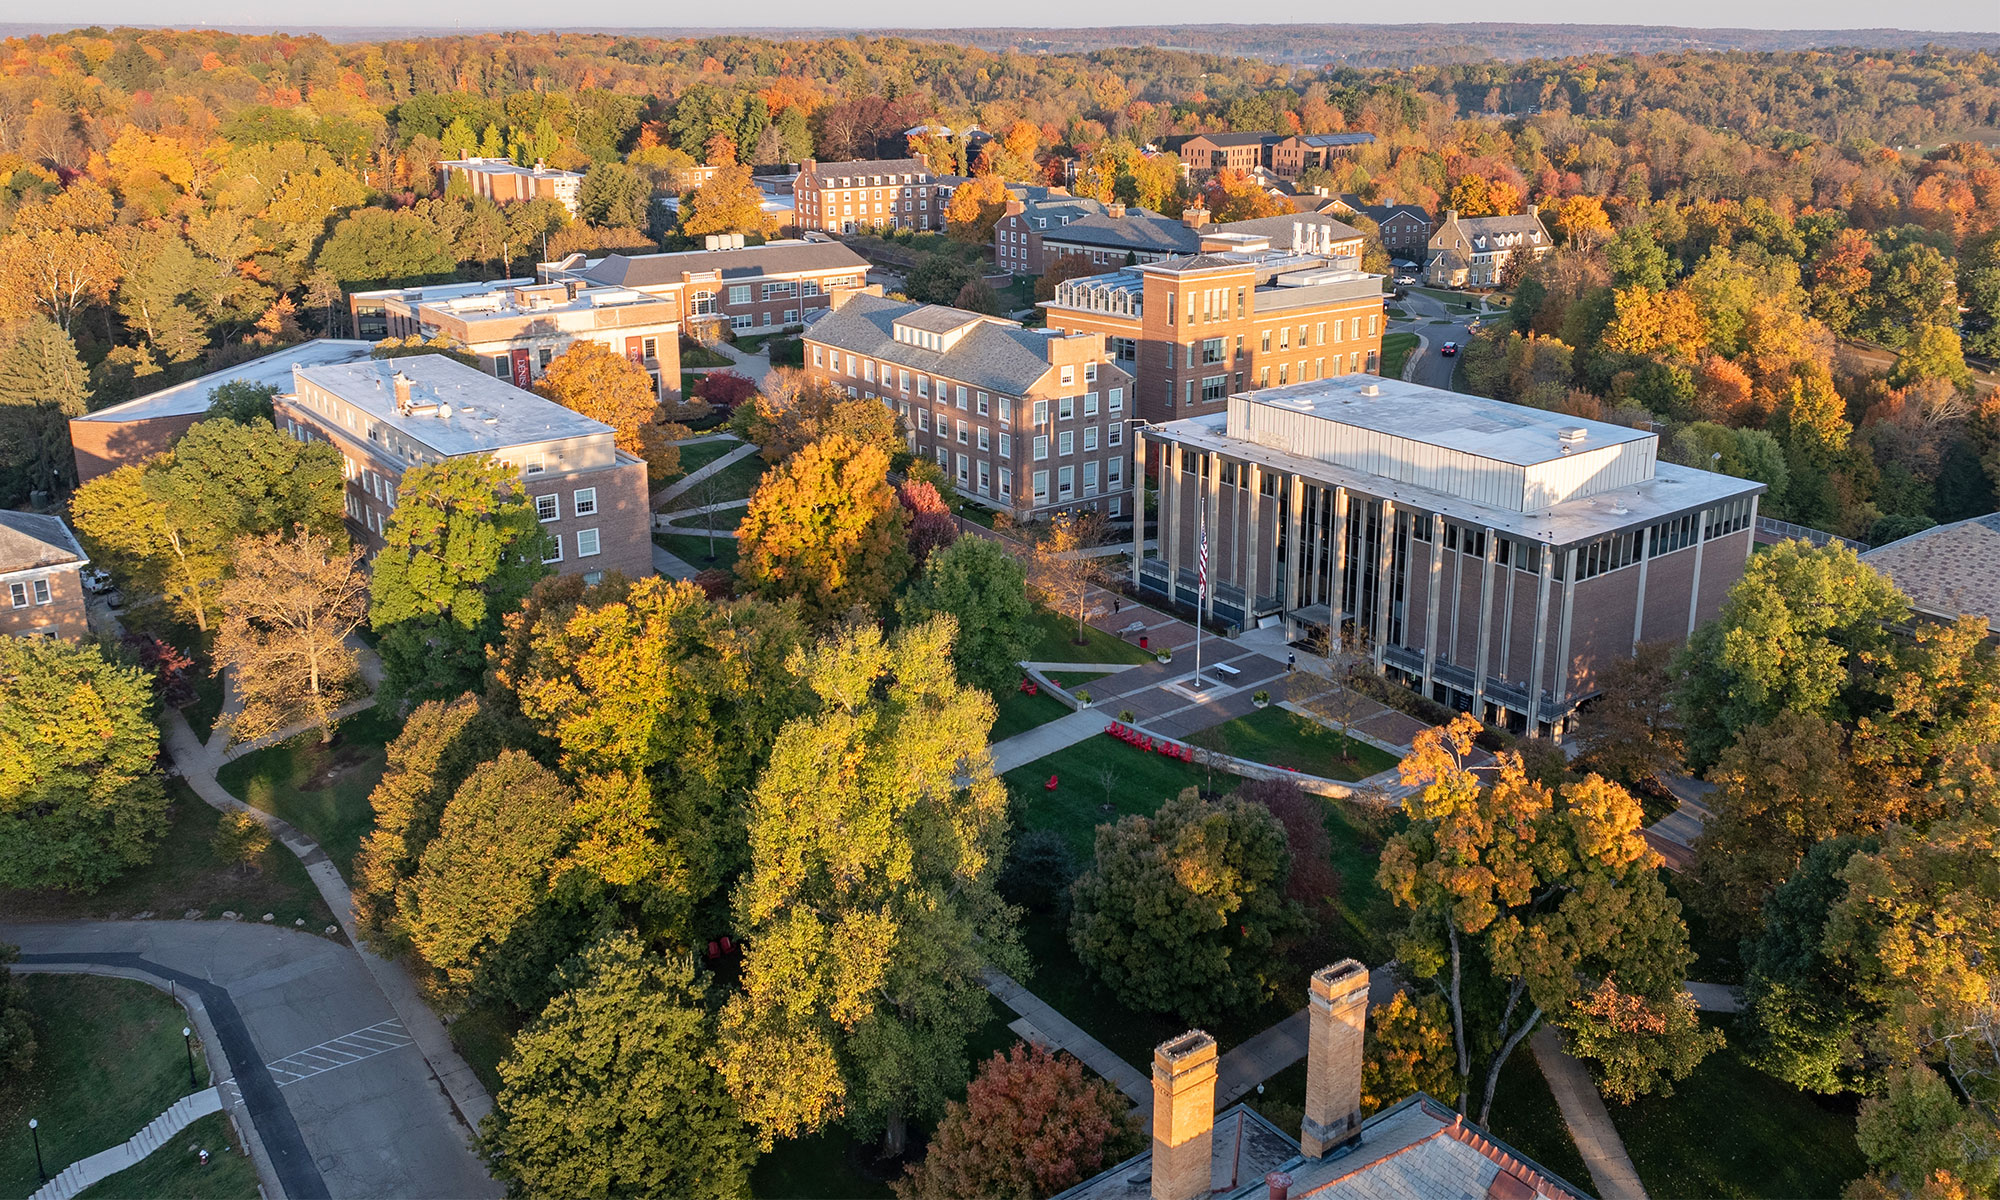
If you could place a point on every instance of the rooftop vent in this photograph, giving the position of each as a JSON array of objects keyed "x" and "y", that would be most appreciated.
[
  {"x": 1572, "y": 435},
  {"x": 1369, "y": 389}
]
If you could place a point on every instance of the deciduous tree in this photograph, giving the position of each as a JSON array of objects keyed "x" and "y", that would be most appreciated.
[
  {"x": 825, "y": 528},
  {"x": 42, "y": 385},
  {"x": 593, "y": 379},
  {"x": 1804, "y": 1015},
  {"x": 974, "y": 208},
  {"x": 287, "y": 611},
  {"x": 728, "y": 203},
  {"x": 1062, "y": 570},
  {"x": 1408, "y": 1050},
  {"x": 932, "y": 525},
  {"x": 981, "y": 585}
]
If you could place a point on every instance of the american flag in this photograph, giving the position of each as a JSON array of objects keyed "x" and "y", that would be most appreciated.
[{"x": 1201, "y": 561}]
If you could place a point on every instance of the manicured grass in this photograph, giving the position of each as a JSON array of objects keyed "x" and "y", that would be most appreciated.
[
  {"x": 174, "y": 1171},
  {"x": 699, "y": 455},
  {"x": 693, "y": 550},
  {"x": 1141, "y": 783},
  {"x": 978, "y": 514},
  {"x": 1072, "y": 680},
  {"x": 694, "y": 354},
  {"x": 1020, "y": 712},
  {"x": 733, "y": 482},
  {"x": 1396, "y": 349},
  {"x": 1730, "y": 1130},
  {"x": 721, "y": 518},
  {"x": 1285, "y": 739},
  {"x": 1055, "y": 641},
  {"x": 483, "y": 1036},
  {"x": 321, "y": 789},
  {"x": 109, "y": 1058},
  {"x": 185, "y": 877}
]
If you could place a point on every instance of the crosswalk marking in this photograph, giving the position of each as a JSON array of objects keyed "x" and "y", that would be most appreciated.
[{"x": 342, "y": 1051}]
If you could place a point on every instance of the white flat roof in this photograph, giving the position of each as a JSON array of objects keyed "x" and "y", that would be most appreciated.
[
  {"x": 1495, "y": 429},
  {"x": 487, "y": 414},
  {"x": 272, "y": 370}
]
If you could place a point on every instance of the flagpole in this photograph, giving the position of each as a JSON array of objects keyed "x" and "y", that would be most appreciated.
[{"x": 1201, "y": 590}]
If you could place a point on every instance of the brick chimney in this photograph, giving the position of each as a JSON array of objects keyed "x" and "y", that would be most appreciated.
[
  {"x": 403, "y": 384},
  {"x": 1184, "y": 1116},
  {"x": 1115, "y": 211},
  {"x": 1336, "y": 1018},
  {"x": 1194, "y": 216}
]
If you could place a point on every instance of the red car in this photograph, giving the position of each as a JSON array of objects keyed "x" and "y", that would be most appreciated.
[{"x": 1449, "y": 350}]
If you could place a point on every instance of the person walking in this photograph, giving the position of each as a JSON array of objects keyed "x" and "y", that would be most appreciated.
[{"x": 1291, "y": 662}]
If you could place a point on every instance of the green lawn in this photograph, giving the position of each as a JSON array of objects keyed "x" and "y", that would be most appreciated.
[
  {"x": 699, "y": 455},
  {"x": 1055, "y": 641},
  {"x": 1140, "y": 783},
  {"x": 721, "y": 518},
  {"x": 1020, "y": 712},
  {"x": 1285, "y": 739},
  {"x": 109, "y": 1059},
  {"x": 693, "y": 550},
  {"x": 694, "y": 354},
  {"x": 1526, "y": 1117},
  {"x": 174, "y": 1171},
  {"x": 1730, "y": 1130},
  {"x": 733, "y": 482},
  {"x": 482, "y": 1036},
  {"x": 1072, "y": 680},
  {"x": 1718, "y": 957},
  {"x": 183, "y": 877},
  {"x": 1396, "y": 348},
  {"x": 323, "y": 790}
]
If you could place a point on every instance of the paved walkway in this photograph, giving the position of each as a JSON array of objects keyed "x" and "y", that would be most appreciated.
[
  {"x": 667, "y": 494},
  {"x": 671, "y": 565},
  {"x": 1589, "y": 1122},
  {"x": 1675, "y": 834},
  {"x": 106, "y": 1163},
  {"x": 1045, "y": 1026}
]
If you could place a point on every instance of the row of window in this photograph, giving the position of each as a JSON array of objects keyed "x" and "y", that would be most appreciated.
[
  {"x": 33, "y": 591},
  {"x": 583, "y": 503},
  {"x": 586, "y": 545}
]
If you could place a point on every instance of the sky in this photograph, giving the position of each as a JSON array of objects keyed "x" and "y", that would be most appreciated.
[{"x": 1953, "y": 15}]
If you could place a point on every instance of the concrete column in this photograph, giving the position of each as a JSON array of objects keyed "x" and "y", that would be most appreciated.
[
  {"x": 1385, "y": 559},
  {"x": 1336, "y": 1015},
  {"x": 1507, "y": 618},
  {"x": 1214, "y": 464},
  {"x": 1537, "y": 671},
  {"x": 1694, "y": 589},
  {"x": 1170, "y": 525},
  {"x": 1750, "y": 546},
  {"x": 1485, "y": 624},
  {"x": 1337, "y": 583},
  {"x": 1562, "y": 639},
  {"x": 1139, "y": 502},
  {"x": 1639, "y": 606},
  {"x": 1431, "y": 602},
  {"x": 1295, "y": 497},
  {"x": 1184, "y": 1072},
  {"x": 1253, "y": 498},
  {"x": 1314, "y": 529}
]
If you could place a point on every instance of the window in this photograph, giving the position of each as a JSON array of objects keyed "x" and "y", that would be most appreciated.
[
  {"x": 1065, "y": 482},
  {"x": 1041, "y": 447},
  {"x": 703, "y": 304},
  {"x": 502, "y": 368},
  {"x": 1068, "y": 376},
  {"x": 1006, "y": 445},
  {"x": 1124, "y": 349},
  {"x": 1214, "y": 387},
  {"x": 985, "y": 441},
  {"x": 818, "y": 356},
  {"x": 1066, "y": 407},
  {"x": 20, "y": 594},
  {"x": 548, "y": 508},
  {"x": 1090, "y": 372},
  {"x": 552, "y": 552},
  {"x": 739, "y": 294},
  {"x": 1004, "y": 409},
  {"x": 1115, "y": 435},
  {"x": 586, "y": 543},
  {"x": 964, "y": 470},
  {"x": 902, "y": 379},
  {"x": 868, "y": 370},
  {"x": 1090, "y": 437},
  {"x": 1090, "y": 404},
  {"x": 924, "y": 419},
  {"x": 1114, "y": 400},
  {"x": 1266, "y": 347},
  {"x": 584, "y": 501},
  {"x": 985, "y": 478},
  {"x": 546, "y": 356},
  {"x": 1114, "y": 473},
  {"x": 981, "y": 406},
  {"x": 961, "y": 398},
  {"x": 1211, "y": 350},
  {"x": 1066, "y": 442},
  {"x": 1041, "y": 412},
  {"x": 1041, "y": 486},
  {"x": 1090, "y": 479},
  {"x": 924, "y": 386},
  {"x": 964, "y": 432},
  {"x": 1006, "y": 483}
]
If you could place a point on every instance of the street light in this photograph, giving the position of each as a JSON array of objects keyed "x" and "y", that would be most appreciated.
[
  {"x": 34, "y": 1131},
  {"x": 187, "y": 1039}
]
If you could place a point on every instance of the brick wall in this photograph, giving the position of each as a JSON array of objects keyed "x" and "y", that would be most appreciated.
[{"x": 63, "y": 615}]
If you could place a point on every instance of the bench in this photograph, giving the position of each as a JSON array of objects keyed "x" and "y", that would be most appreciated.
[
  {"x": 1224, "y": 668},
  {"x": 1134, "y": 627}
]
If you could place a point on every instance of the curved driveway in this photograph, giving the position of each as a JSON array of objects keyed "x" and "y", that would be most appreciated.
[
  {"x": 341, "y": 1098},
  {"x": 1433, "y": 369}
]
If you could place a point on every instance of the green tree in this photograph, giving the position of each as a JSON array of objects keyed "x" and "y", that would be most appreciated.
[
  {"x": 240, "y": 841},
  {"x": 1804, "y": 1017},
  {"x": 1408, "y": 1050},
  {"x": 614, "y": 196},
  {"x": 606, "y": 1094},
  {"x": 242, "y": 401},
  {"x": 42, "y": 385},
  {"x": 374, "y": 247},
  {"x": 1548, "y": 895},
  {"x": 80, "y": 795},
  {"x": 825, "y": 528},
  {"x": 938, "y": 279},
  {"x": 1032, "y": 1124},
  {"x": 869, "y": 911},
  {"x": 981, "y": 585},
  {"x": 1184, "y": 911},
  {"x": 461, "y": 550},
  {"x": 1932, "y": 352},
  {"x": 1913, "y": 287},
  {"x": 1917, "y": 1135}
]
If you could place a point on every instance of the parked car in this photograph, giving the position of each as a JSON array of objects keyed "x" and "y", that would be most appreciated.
[
  {"x": 1406, "y": 280},
  {"x": 96, "y": 581},
  {"x": 1449, "y": 350}
]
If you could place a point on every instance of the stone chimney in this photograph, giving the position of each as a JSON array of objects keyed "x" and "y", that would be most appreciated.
[
  {"x": 1450, "y": 215},
  {"x": 1336, "y": 1019},
  {"x": 1534, "y": 210},
  {"x": 1115, "y": 211},
  {"x": 403, "y": 385},
  {"x": 1184, "y": 1116},
  {"x": 1194, "y": 216}
]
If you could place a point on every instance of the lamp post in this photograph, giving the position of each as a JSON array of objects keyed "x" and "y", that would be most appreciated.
[
  {"x": 187, "y": 1040},
  {"x": 34, "y": 1131}
]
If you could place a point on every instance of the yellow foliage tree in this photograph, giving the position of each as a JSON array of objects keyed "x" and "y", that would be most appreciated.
[
  {"x": 826, "y": 528},
  {"x": 727, "y": 203},
  {"x": 597, "y": 381},
  {"x": 970, "y": 214}
]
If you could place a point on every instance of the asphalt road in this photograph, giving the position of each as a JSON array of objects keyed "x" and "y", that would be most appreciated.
[
  {"x": 342, "y": 1099},
  {"x": 1433, "y": 369}
]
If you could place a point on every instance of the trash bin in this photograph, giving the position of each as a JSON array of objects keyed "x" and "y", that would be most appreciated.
[{"x": 1142, "y": 642}]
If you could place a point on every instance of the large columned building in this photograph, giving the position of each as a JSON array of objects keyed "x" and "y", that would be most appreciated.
[{"x": 1494, "y": 556}]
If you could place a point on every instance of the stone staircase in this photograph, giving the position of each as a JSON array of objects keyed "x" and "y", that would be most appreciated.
[{"x": 106, "y": 1163}]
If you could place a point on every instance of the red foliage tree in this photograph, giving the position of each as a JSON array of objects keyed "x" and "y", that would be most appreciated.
[
  {"x": 173, "y": 671},
  {"x": 1033, "y": 1124},
  {"x": 1313, "y": 882},
  {"x": 932, "y": 527},
  {"x": 725, "y": 389}
]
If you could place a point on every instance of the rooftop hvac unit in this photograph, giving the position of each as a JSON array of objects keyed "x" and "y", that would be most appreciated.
[{"x": 1369, "y": 389}]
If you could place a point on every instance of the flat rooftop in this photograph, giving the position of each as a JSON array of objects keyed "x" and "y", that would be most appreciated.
[
  {"x": 273, "y": 370},
  {"x": 440, "y": 291},
  {"x": 1477, "y": 425},
  {"x": 537, "y": 300},
  {"x": 484, "y": 414}
]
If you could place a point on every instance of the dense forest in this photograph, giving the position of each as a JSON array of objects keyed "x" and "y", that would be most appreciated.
[{"x": 173, "y": 201}]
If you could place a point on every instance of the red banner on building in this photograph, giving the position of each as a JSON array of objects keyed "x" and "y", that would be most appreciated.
[{"x": 523, "y": 377}]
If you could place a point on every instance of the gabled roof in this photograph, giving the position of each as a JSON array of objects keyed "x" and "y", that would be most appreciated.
[
  {"x": 1949, "y": 570},
  {"x": 1327, "y": 140},
  {"x": 871, "y": 166},
  {"x": 32, "y": 540},
  {"x": 999, "y": 356},
  {"x": 1142, "y": 230},
  {"x": 1233, "y": 139},
  {"x": 775, "y": 258}
]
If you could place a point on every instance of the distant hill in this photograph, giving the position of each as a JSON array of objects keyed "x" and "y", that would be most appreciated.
[{"x": 1343, "y": 45}]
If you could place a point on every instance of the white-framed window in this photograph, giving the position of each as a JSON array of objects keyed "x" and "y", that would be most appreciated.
[
  {"x": 553, "y": 552},
  {"x": 739, "y": 294},
  {"x": 1068, "y": 376},
  {"x": 1115, "y": 434},
  {"x": 1006, "y": 410},
  {"x": 943, "y": 457},
  {"x": 548, "y": 508},
  {"x": 1090, "y": 404},
  {"x": 980, "y": 408},
  {"x": 1006, "y": 483},
  {"x": 1041, "y": 447},
  {"x": 867, "y": 369},
  {"x": 1090, "y": 437},
  {"x": 818, "y": 356},
  {"x": 583, "y": 501},
  {"x": 19, "y": 593},
  {"x": 960, "y": 396},
  {"x": 1006, "y": 445},
  {"x": 586, "y": 543},
  {"x": 924, "y": 386},
  {"x": 1114, "y": 472},
  {"x": 1041, "y": 486},
  {"x": 1090, "y": 479},
  {"x": 1041, "y": 412},
  {"x": 1090, "y": 372},
  {"x": 1114, "y": 400},
  {"x": 1065, "y": 482},
  {"x": 985, "y": 478},
  {"x": 1066, "y": 442},
  {"x": 924, "y": 419},
  {"x": 964, "y": 433},
  {"x": 1066, "y": 407},
  {"x": 985, "y": 440},
  {"x": 902, "y": 380},
  {"x": 964, "y": 470}
]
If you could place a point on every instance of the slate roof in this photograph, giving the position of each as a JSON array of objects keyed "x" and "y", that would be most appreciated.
[
  {"x": 1338, "y": 139},
  {"x": 1234, "y": 139},
  {"x": 869, "y": 167},
  {"x": 1478, "y": 230},
  {"x": 32, "y": 540},
  {"x": 1949, "y": 570},
  {"x": 1000, "y": 357},
  {"x": 777, "y": 258},
  {"x": 1144, "y": 230}
]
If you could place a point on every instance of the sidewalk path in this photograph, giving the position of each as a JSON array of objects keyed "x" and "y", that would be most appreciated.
[
  {"x": 672, "y": 566},
  {"x": 1044, "y": 1025},
  {"x": 106, "y": 1163},
  {"x": 1675, "y": 834},
  {"x": 666, "y": 494},
  {"x": 1589, "y": 1121}
]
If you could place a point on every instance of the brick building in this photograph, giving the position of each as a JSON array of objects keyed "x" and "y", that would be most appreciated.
[
  {"x": 1023, "y": 420},
  {"x": 41, "y": 577},
  {"x": 846, "y": 197},
  {"x": 131, "y": 432},
  {"x": 503, "y": 181},
  {"x": 1473, "y": 251},
  {"x": 388, "y": 415},
  {"x": 1237, "y": 315},
  {"x": 1291, "y": 157},
  {"x": 1019, "y": 233},
  {"x": 1209, "y": 152},
  {"x": 750, "y": 289},
  {"x": 517, "y": 330},
  {"x": 1496, "y": 557},
  {"x": 1121, "y": 236}
]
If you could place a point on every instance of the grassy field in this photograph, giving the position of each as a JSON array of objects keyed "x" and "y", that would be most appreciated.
[
  {"x": 1729, "y": 1130},
  {"x": 693, "y": 549},
  {"x": 109, "y": 1059},
  {"x": 1020, "y": 712},
  {"x": 1286, "y": 739},
  {"x": 1055, "y": 642},
  {"x": 720, "y": 519},
  {"x": 185, "y": 877},
  {"x": 1396, "y": 348},
  {"x": 733, "y": 482},
  {"x": 1140, "y": 783},
  {"x": 1071, "y": 680},
  {"x": 321, "y": 789},
  {"x": 694, "y": 354},
  {"x": 174, "y": 1171},
  {"x": 699, "y": 455}
]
